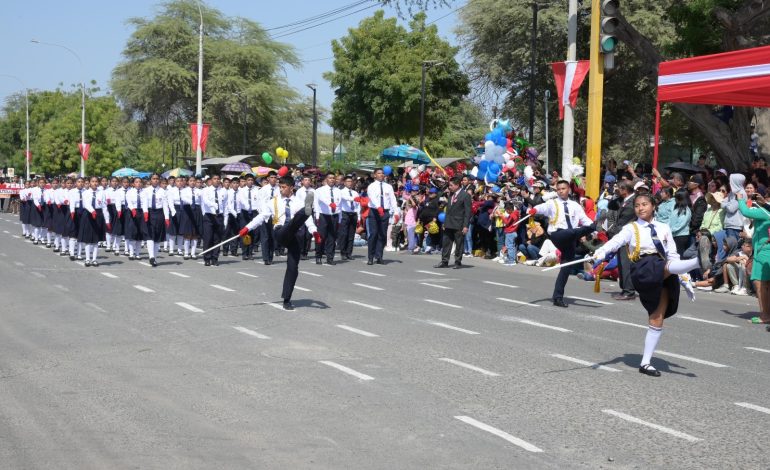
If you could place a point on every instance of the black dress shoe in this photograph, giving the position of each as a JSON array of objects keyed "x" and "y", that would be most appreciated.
[
  {"x": 215, "y": 262},
  {"x": 457, "y": 266},
  {"x": 186, "y": 257},
  {"x": 153, "y": 263},
  {"x": 304, "y": 257},
  {"x": 559, "y": 303},
  {"x": 379, "y": 261},
  {"x": 207, "y": 263},
  {"x": 288, "y": 305},
  {"x": 441, "y": 265},
  {"x": 268, "y": 263},
  {"x": 72, "y": 258},
  {"x": 649, "y": 370},
  {"x": 624, "y": 296},
  {"x": 318, "y": 261},
  {"x": 370, "y": 262},
  {"x": 330, "y": 262}
]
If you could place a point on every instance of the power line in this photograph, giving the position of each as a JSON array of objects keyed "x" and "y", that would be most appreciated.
[
  {"x": 321, "y": 15},
  {"x": 448, "y": 14},
  {"x": 295, "y": 31},
  {"x": 316, "y": 60}
]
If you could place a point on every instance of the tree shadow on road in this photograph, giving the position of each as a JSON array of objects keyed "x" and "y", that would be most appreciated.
[{"x": 633, "y": 361}]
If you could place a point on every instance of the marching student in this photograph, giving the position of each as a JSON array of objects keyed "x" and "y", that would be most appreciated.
[
  {"x": 76, "y": 216},
  {"x": 121, "y": 215},
  {"x": 229, "y": 186},
  {"x": 48, "y": 197},
  {"x": 382, "y": 199},
  {"x": 350, "y": 213},
  {"x": 568, "y": 222},
  {"x": 247, "y": 204},
  {"x": 24, "y": 215},
  {"x": 306, "y": 185},
  {"x": 173, "y": 237},
  {"x": 326, "y": 202},
  {"x": 214, "y": 206},
  {"x": 135, "y": 226},
  {"x": 268, "y": 195},
  {"x": 37, "y": 209},
  {"x": 292, "y": 217},
  {"x": 95, "y": 221},
  {"x": 654, "y": 271},
  {"x": 60, "y": 216},
  {"x": 156, "y": 216},
  {"x": 66, "y": 224},
  {"x": 109, "y": 198},
  {"x": 188, "y": 227}
]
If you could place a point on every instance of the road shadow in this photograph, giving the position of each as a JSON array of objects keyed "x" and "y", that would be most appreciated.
[
  {"x": 310, "y": 303},
  {"x": 109, "y": 263},
  {"x": 633, "y": 361},
  {"x": 169, "y": 263},
  {"x": 744, "y": 315}
]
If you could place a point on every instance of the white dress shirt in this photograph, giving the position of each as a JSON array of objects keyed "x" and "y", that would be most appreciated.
[
  {"x": 76, "y": 202},
  {"x": 347, "y": 203},
  {"x": 555, "y": 209},
  {"x": 277, "y": 212},
  {"x": 627, "y": 236},
  {"x": 172, "y": 195},
  {"x": 59, "y": 196},
  {"x": 48, "y": 195},
  {"x": 266, "y": 193},
  {"x": 160, "y": 200},
  {"x": 109, "y": 195},
  {"x": 214, "y": 201},
  {"x": 96, "y": 201},
  {"x": 247, "y": 199},
  {"x": 231, "y": 202},
  {"x": 134, "y": 199},
  {"x": 324, "y": 196},
  {"x": 381, "y": 194},
  {"x": 36, "y": 196}
]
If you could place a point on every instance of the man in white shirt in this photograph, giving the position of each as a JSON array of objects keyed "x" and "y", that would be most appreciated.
[
  {"x": 350, "y": 210},
  {"x": 247, "y": 207},
  {"x": 327, "y": 198},
  {"x": 231, "y": 228},
  {"x": 382, "y": 202},
  {"x": 305, "y": 187},
  {"x": 214, "y": 208},
  {"x": 267, "y": 195},
  {"x": 568, "y": 222}
]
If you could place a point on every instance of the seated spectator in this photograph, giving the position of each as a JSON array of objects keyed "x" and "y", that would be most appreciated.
[
  {"x": 734, "y": 268},
  {"x": 531, "y": 247}
]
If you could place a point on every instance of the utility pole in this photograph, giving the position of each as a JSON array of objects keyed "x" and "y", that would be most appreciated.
[
  {"x": 568, "y": 142},
  {"x": 314, "y": 87},
  {"x": 199, "y": 151},
  {"x": 545, "y": 109},
  {"x": 532, "y": 64}
]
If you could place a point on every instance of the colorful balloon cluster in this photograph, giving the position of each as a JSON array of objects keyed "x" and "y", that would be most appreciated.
[
  {"x": 282, "y": 153},
  {"x": 503, "y": 151}
]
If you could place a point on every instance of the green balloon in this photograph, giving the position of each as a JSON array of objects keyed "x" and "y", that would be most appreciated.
[{"x": 267, "y": 158}]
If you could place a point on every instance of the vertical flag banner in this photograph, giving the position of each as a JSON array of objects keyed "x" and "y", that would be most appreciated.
[
  {"x": 203, "y": 138},
  {"x": 28, "y": 155},
  {"x": 569, "y": 75},
  {"x": 84, "y": 149}
]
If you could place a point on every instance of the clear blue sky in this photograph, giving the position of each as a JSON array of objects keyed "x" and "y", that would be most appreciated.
[{"x": 96, "y": 30}]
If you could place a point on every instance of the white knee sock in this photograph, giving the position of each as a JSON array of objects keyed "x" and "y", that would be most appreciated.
[
  {"x": 179, "y": 242},
  {"x": 95, "y": 253},
  {"x": 170, "y": 242},
  {"x": 650, "y": 343},
  {"x": 194, "y": 247},
  {"x": 57, "y": 242},
  {"x": 72, "y": 246},
  {"x": 108, "y": 236},
  {"x": 130, "y": 247},
  {"x": 187, "y": 247},
  {"x": 89, "y": 249},
  {"x": 683, "y": 266},
  {"x": 151, "y": 247}
]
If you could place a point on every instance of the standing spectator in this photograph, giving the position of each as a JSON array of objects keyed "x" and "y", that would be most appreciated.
[
  {"x": 510, "y": 221},
  {"x": 760, "y": 270},
  {"x": 666, "y": 206},
  {"x": 680, "y": 220},
  {"x": 458, "y": 215},
  {"x": 698, "y": 204},
  {"x": 733, "y": 220},
  {"x": 623, "y": 205}
]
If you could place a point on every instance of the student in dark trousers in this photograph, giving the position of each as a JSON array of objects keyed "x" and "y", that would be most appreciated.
[
  {"x": 624, "y": 204},
  {"x": 327, "y": 199},
  {"x": 214, "y": 208},
  {"x": 292, "y": 218},
  {"x": 382, "y": 202},
  {"x": 348, "y": 220},
  {"x": 458, "y": 216},
  {"x": 247, "y": 204}
]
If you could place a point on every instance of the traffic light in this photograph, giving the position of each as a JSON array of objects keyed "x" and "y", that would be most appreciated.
[{"x": 608, "y": 42}]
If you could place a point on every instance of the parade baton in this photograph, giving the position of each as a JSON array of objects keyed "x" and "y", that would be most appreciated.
[
  {"x": 577, "y": 261},
  {"x": 522, "y": 220},
  {"x": 217, "y": 246}
]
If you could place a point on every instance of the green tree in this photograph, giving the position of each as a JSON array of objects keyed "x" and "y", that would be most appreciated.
[{"x": 377, "y": 79}]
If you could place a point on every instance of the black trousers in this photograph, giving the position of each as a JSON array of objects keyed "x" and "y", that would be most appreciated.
[
  {"x": 624, "y": 267},
  {"x": 213, "y": 229},
  {"x": 292, "y": 236},
  {"x": 244, "y": 218},
  {"x": 268, "y": 243},
  {"x": 565, "y": 240},
  {"x": 347, "y": 233},
  {"x": 451, "y": 237},
  {"x": 231, "y": 229},
  {"x": 327, "y": 228},
  {"x": 378, "y": 226}
]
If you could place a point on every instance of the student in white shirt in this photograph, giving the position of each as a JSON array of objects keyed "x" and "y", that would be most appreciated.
[
  {"x": 215, "y": 217},
  {"x": 135, "y": 227},
  {"x": 350, "y": 211},
  {"x": 76, "y": 216},
  {"x": 95, "y": 221},
  {"x": 327, "y": 200},
  {"x": 156, "y": 216},
  {"x": 268, "y": 195},
  {"x": 382, "y": 202}
]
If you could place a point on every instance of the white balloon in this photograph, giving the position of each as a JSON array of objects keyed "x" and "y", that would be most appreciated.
[
  {"x": 414, "y": 173},
  {"x": 488, "y": 145},
  {"x": 475, "y": 171},
  {"x": 510, "y": 165}
]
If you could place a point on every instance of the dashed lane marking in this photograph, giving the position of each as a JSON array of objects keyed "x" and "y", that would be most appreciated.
[
  {"x": 757, "y": 349},
  {"x": 251, "y": 332},
  {"x": 455, "y": 328},
  {"x": 37, "y": 274},
  {"x": 302, "y": 289},
  {"x": 15, "y": 236},
  {"x": 669, "y": 431},
  {"x": 592, "y": 365},
  {"x": 543, "y": 325},
  {"x": 432, "y": 273},
  {"x": 312, "y": 274},
  {"x": 81, "y": 263},
  {"x": 691, "y": 359},
  {"x": 347, "y": 370},
  {"x": 367, "y": 286},
  {"x": 189, "y": 307},
  {"x": 750, "y": 406},
  {"x": 361, "y": 304},
  {"x": 110, "y": 275},
  {"x": 96, "y": 307},
  {"x": 499, "y": 433},
  {"x": 357, "y": 331},
  {"x": 435, "y": 285},
  {"x": 223, "y": 288},
  {"x": 178, "y": 274},
  {"x": 442, "y": 303},
  {"x": 145, "y": 264},
  {"x": 620, "y": 322},
  {"x": 710, "y": 322},
  {"x": 593, "y": 301},
  {"x": 469, "y": 366},
  {"x": 144, "y": 289},
  {"x": 520, "y": 302},
  {"x": 275, "y": 305},
  {"x": 372, "y": 274},
  {"x": 18, "y": 263},
  {"x": 501, "y": 284},
  {"x": 246, "y": 274},
  {"x": 61, "y": 287}
]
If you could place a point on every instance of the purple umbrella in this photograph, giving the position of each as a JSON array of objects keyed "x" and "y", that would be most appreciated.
[{"x": 239, "y": 167}]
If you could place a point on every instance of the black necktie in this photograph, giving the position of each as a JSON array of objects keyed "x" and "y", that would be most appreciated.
[
  {"x": 216, "y": 201},
  {"x": 331, "y": 197},
  {"x": 81, "y": 199},
  {"x": 93, "y": 200},
  {"x": 566, "y": 216},
  {"x": 249, "y": 199},
  {"x": 138, "y": 200},
  {"x": 382, "y": 196},
  {"x": 272, "y": 190},
  {"x": 153, "y": 198},
  {"x": 287, "y": 212},
  {"x": 656, "y": 241}
]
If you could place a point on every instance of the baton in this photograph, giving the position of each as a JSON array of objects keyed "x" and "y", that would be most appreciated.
[
  {"x": 522, "y": 220},
  {"x": 577, "y": 261},
  {"x": 217, "y": 246}
]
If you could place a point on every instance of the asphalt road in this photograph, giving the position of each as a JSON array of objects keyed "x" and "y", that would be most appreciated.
[{"x": 379, "y": 367}]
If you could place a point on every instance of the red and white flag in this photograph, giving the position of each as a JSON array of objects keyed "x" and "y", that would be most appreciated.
[
  {"x": 84, "y": 149},
  {"x": 204, "y": 135},
  {"x": 569, "y": 75},
  {"x": 28, "y": 154}
]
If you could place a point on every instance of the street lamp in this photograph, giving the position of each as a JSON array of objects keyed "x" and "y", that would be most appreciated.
[
  {"x": 244, "y": 110},
  {"x": 26, "y": 105},
  {"x": 82, "y": 101},
  {"x": 199, "y": 151},
  {"x": 314, "y": 87},
  {"x": 425, "y": 64}
]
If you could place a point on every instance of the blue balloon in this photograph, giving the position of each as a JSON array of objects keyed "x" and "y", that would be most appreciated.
[
  {"x": 441, "y": 217},
  {"x": 488, "y": 136},
  {"x": 483, "y": 167},
  {"x": 495, "y": 189},
  {"x": 494, "y": 168},
  {"x": 387, "y": 170}
]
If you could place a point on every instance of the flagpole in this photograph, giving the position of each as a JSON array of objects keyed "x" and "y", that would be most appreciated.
[
  {"x": 198, "y": 150},
  {"x": 568, "y": 141}
]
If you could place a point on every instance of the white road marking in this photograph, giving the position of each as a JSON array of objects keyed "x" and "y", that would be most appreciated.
[
  {"x": 189, "y": 307},
  {"x": 360, "y": 304},
  {"x": 451, "y": 327},
  {"x": 277, "y": 305},
  {"x": 432, "y": 273},
  {"x": 757, "y": 349},
  {"x": 59, "y": 286},
  {"x": 18, "y": 263},
  {"x": 469, "y": 366},
  {"x": 251, "y": 332},
  {"x": 755, "y": 407},
  {"x": 145, "y": 264},
  {"x": 226, "y": 289},
  {"x": 6, "y": 231},
  {"x": 201, "y": 262},
  {"x": 37, "y": 274},
  {"x": 81, "y": 263},
  {"x": 658, "y": 427},
  {"x": 619, "y": 322},
  {"x": 96, "y": 307},
  {"x": 435, "y": 285},
  {"x": 246, "y": 274},
  {"x": 178, "y": 274},
  {"x": 347, "y": 370},
  {"x": 144, "y": 289},
  {"x": 110, "y": 275},
  {"x": 3, "y": 254},
  {"x": 442, "y": 303},
  {"x": 312, "y": 274},
  {"x": 502, "y": 434},
  {"x": 15, "y": 236},
  {"x": 302, "y": 289},
  {"x": 691, "y": 359},
  {"x": 517, "y": 302},
  {"x": 584, "y": 299},
  {"x": 372, "y": 274},
  {"x": 707, "y": 321},
  {"x": 543, "y": 325},
  {"x": 358, "y": 332},
  {"x": 500, "y": 284},
  {"x": 592, "y": 365},
  {"x": 367, "y": 286}
]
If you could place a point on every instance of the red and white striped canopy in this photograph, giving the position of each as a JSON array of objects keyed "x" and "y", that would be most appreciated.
[{"x": 738, "y": 78}]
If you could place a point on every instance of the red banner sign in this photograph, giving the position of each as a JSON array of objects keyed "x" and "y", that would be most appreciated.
[
  {"x": 84, "y": 149},
  {"x": 11, "y": 188},
  {"x": 204, "y": 136}
]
